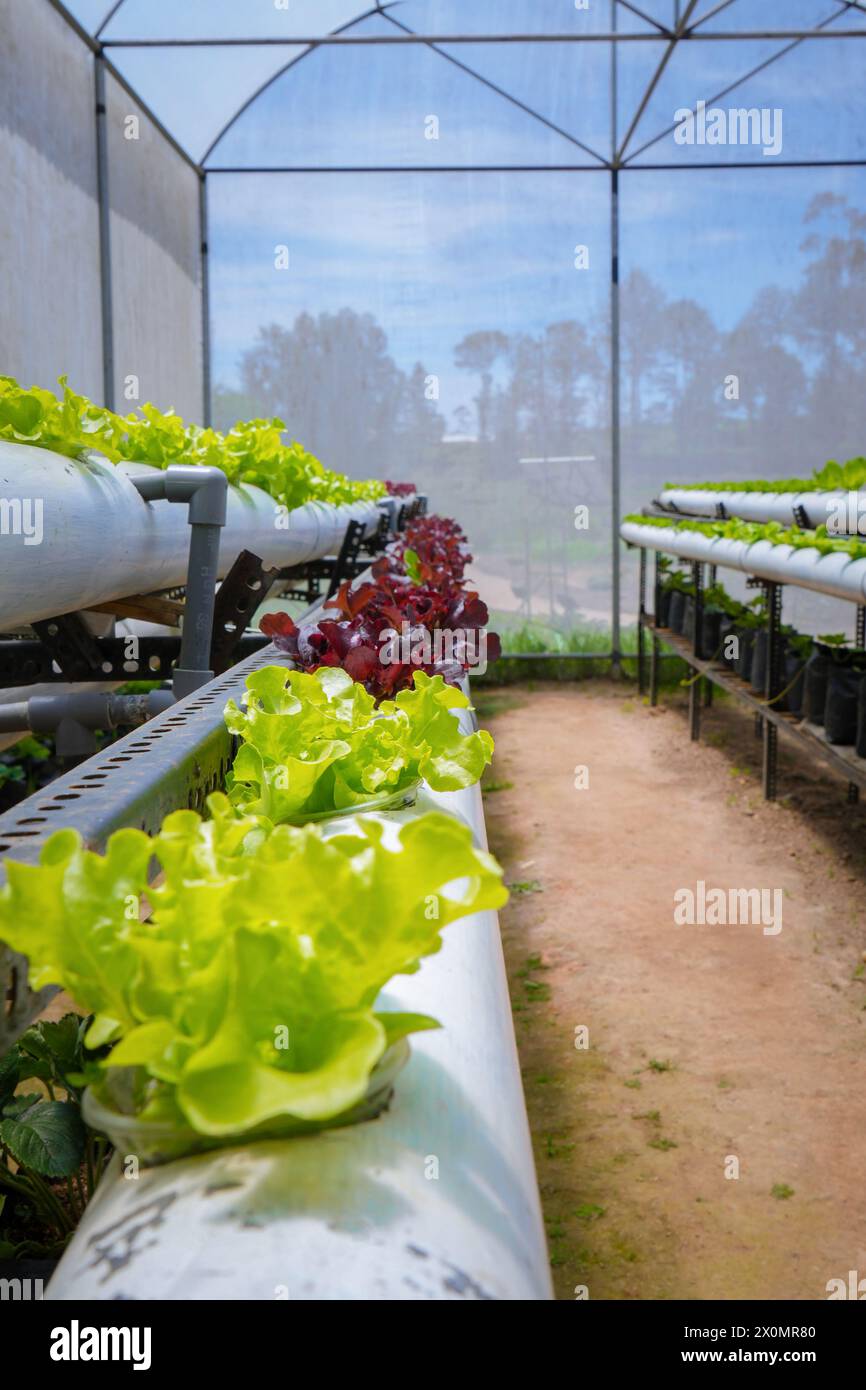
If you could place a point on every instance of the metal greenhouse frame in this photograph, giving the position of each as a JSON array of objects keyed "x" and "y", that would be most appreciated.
[{"x": 685, "y": 29}]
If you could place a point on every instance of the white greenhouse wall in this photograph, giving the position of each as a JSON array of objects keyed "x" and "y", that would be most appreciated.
[
  {"x": 51, "y": 303},
  {"x": 50, "y": 310},
  {"x": 156, "y": 274}
]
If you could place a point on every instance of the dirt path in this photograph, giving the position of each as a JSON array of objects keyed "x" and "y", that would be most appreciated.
[{"x": 706, "y": 1043}]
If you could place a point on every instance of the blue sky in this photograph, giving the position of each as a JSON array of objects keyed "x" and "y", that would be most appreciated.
[{"x": 434, "y": 256}]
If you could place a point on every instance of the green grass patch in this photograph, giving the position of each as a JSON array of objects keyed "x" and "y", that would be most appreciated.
[{"x": 589, "y": 1211}]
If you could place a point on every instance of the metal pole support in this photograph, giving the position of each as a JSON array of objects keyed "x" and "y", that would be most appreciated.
[
  {"x": 708, "y": 685},
  {"x": 654, "y": 650},
  {"x": 695, "y": 691},
  {"x": 772, "y": 686},
  {"x": 641, "y": 619},
  {"x": 347, "y": 556},
  {"x": 204, "y": 490},
  {"x": 860, "y": 642}
]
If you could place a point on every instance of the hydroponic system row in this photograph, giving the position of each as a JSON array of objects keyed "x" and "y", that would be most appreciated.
[
  {"x": 432, "y": 845},
  {"x": 236, "y": 895},
  {"x": 806, "y": 533}
]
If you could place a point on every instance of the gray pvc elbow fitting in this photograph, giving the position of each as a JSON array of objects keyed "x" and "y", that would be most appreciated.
[{"x": 205, "y": 489}]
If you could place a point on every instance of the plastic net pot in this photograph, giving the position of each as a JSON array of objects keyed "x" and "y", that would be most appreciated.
[
  {"x": 387, "y": 801},
  {"x": 842, "y": 703},
  {"x": 108, "y": 1108}
]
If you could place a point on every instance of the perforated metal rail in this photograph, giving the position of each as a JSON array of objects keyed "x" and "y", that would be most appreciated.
[{"x": 173, "y": 761}]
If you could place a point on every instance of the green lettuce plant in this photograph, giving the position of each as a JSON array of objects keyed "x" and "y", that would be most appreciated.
[
  {"x": 251, "y": 451},
  {"x": 248, "y": 997},
  {"x": 717, "y": 599},
  {"x": 800, "y": 644},
  {"x": 678, "y": 581},
  {"x": 317, "y": 743},
  {"x": 832, "y": 477},
  {"x": 752, "y": 531}
]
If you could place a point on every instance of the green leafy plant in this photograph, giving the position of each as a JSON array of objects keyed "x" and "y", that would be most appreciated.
[
  {"x": 20, "y": 766},
  {"x": 313, "y": 744},
  {"x": 832, "y": 477},
  {"x": 800, "y": 644},
  {"x": 249, "y": 996},
  {"x": 251, "y": 452},
  {"x": 678, "y": 581},
  {"x": 717, "y": 599},
  {"x": 49, "y": 1162},
  {"x": 781, "y": 1191},
  {"x": 749, "y": 532}
]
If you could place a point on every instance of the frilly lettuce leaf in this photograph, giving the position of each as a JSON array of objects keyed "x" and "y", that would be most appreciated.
[
  {"x": 313, "y": 743},
  {"x": 252, "y": 451},
  {"x": 250, "y": 992}
]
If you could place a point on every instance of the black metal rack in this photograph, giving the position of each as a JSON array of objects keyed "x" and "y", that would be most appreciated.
[{"x": 770, "y": 721}]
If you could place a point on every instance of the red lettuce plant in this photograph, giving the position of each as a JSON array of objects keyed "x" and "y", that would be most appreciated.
[
  {"x": 400, "y": 489},
  {"x": 413, "y": 615}
]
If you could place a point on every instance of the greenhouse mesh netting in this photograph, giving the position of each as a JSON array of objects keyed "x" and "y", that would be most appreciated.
[{"x": 523, "y": 252}]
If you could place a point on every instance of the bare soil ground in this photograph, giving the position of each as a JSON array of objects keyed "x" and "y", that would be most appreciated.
[{"x": 706, "y": 1044}]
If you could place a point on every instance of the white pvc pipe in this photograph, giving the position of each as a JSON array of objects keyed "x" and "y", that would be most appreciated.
[
  {"x": 835, "y": 574},
  {"x": 758, "y": 506},
  {"x": 77, "y": 533},
  {"x": 437, "y": 1199}
]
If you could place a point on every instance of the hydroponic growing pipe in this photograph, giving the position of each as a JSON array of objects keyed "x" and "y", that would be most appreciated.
[
  {"x": 835, "y": 574},
  {"x": 436, "y": 1199},
  {"x": 790, "y": 508},
  {"x": 77, "y": 532}
]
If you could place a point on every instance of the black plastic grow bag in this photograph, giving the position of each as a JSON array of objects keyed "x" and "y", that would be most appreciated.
[
  {"x": 758, "y": 672},
  {"x": 861, "y": 721},
  {"x": 793, "y": 668},
  {"x": 727, "y": 628},
  {"x": 664, "y": 607},
  {"x": 743, "y": 663},
  {"x": 842, "y": 703},
  {"x": 709, "y": 639},
  {"x": 815, "y": 685},
  {"x": 688, "y": 627},
  {"x": 677, "y": 610},
  {"x": 710, "y": 634}
]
